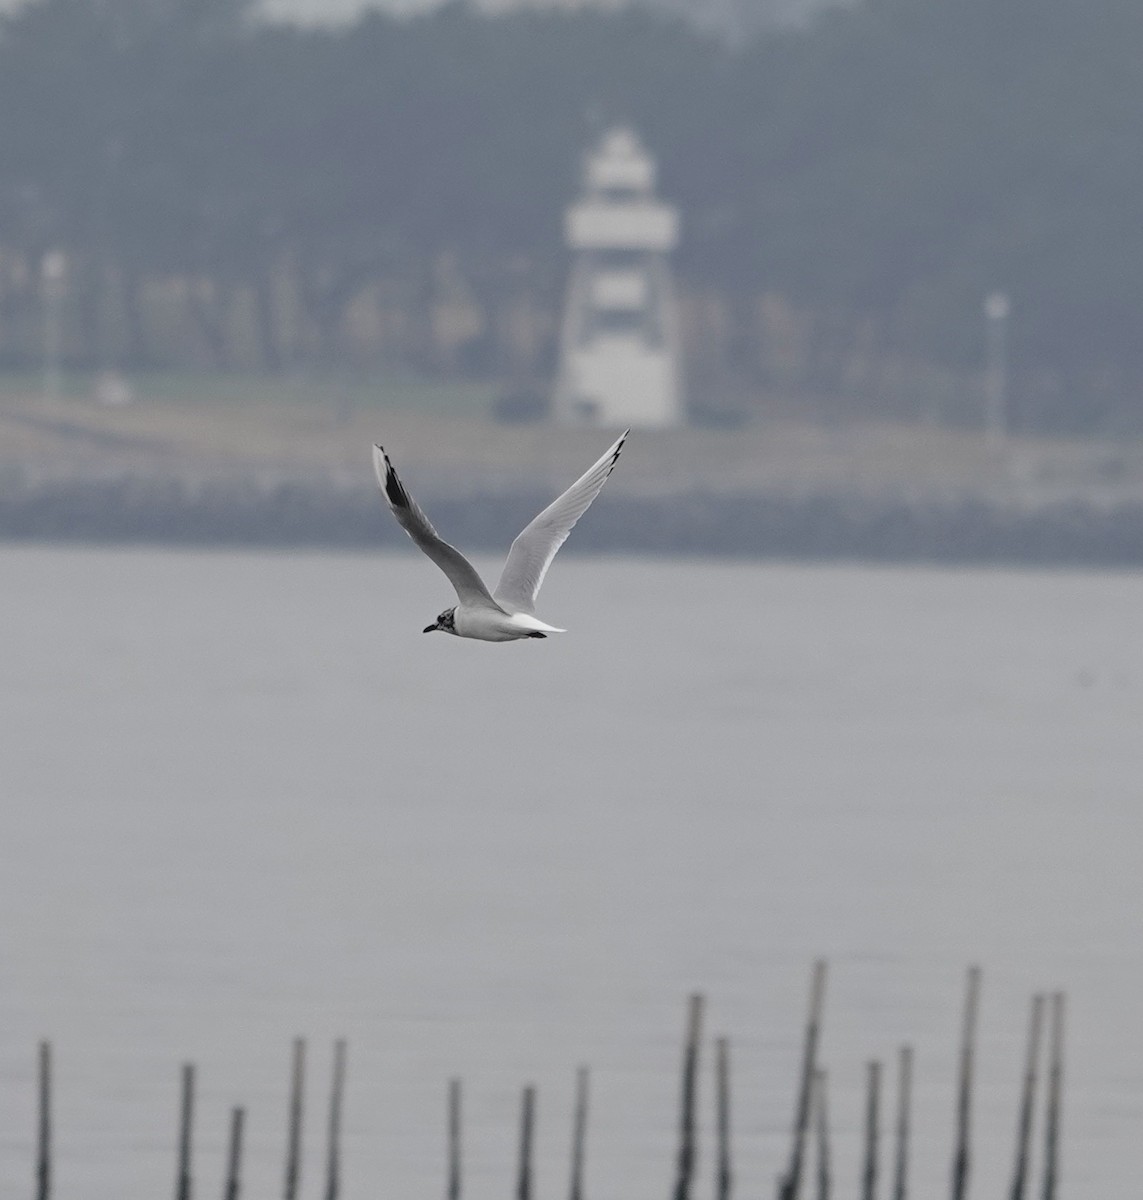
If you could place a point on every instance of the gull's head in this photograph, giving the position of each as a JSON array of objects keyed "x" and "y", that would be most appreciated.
[{"x": 445, "y": 622}]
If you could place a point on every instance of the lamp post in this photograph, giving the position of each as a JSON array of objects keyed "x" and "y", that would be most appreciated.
[
  {"x": 54, "y": 268},
  {"x": 997, "y": 307}
]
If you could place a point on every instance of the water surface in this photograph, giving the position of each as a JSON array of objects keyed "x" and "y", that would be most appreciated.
[{"x": 245, "y": 798}]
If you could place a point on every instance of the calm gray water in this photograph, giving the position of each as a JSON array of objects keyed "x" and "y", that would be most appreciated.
[{"x": 244, "y": 798}]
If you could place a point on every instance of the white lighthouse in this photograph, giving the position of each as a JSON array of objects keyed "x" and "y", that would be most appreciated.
[{"x": 619, "y": 343}]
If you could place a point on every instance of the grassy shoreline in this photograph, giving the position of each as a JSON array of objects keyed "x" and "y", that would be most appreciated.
[{"x": 195, "y": 430}]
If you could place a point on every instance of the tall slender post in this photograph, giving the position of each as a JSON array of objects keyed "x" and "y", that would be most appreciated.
[
  {"x": 186, "y": 1120},
  {"x": 54, "y": 269},
  {"x": 687, "y": 1150},
  {"x": 294, "y": 1130},
  {"x": 788, "y": 1186},
  {"x": 453, "y": 1191},
  {"x": 723, "y": 1177},
  {"x": 44, "y": 1125},
  {"x": 997, "y": 307},
  {"x": 527, "y": 1123},
  {"x": 233, "y": 1183},
  {"x": 333, "y": 1154},
  {"x": 1027, "y": 1100},
  {"x": 904, "y": 1104},
  {"x": 579, "y": 1134},
  {"x": 1055, "y": 1098},
  {"x": 822, "y": 1123},
  {"x": 964, "y": 1091},
  {"x": 872, "y": 1130}
]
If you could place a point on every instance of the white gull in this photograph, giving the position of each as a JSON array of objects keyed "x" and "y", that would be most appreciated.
[{"x": 509, "y": 612}]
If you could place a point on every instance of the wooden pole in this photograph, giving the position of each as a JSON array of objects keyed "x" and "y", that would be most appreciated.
[
  {"x": 234, "y": 1156},
  {"x": 788, "y": 1186},
  {"x": 1055, "y": 1098},
  {"x": 872, "y": 1130},
  {"x": 294, "y": 1129},
  {"x": 822, "y": 1112},
  {"x": 964, "y": 1091},
  {"x": 186, "y": 1120},
  {"x": 687, "y": 1152},
  {"x": 904, "y": 1104},
  {"x": 44, "y": 1130},
  {"x": 579, "y": 1134},
  {"x": 723, "y": 1184},
  {"x": 337, "y": 1092},
  {"x": 1027, "y": 1100},
  {"x": 453, "y": 1191},
  {"x": 527, "y": 1123}
]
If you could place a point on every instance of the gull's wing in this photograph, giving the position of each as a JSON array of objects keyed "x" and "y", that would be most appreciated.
[
  {"x": 462, "y": 574},
  {"x": 536, "y": 545}
]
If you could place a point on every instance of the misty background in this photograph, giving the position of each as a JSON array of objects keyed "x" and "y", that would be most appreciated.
[
  {"x": 236, "y": 242},
  {"x": 233, "y": 191},
  {"x": 244, "y": 799}
]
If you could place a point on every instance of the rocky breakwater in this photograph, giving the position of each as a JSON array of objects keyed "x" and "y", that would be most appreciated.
[{"x": 257, "y": 506}]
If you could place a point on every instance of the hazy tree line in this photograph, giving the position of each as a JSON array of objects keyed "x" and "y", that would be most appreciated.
[{"x": 231, "y": 193}]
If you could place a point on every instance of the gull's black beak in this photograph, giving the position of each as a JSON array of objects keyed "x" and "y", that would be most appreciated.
[{"x": 430, "y": 628}]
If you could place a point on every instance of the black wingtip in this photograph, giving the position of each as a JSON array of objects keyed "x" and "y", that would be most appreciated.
[{"x": 394, "y": 488}]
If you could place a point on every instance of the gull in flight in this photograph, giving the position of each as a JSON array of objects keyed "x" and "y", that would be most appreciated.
[{"x": 509, "y": 612}]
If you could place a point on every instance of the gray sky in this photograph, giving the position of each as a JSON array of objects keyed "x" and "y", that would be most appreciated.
[
  {"x": 342, "y": 10},
  {"x": 704, "y": 11},
  {"x": 336, "y": 10}
]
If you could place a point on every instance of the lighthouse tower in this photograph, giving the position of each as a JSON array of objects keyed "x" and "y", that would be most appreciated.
[{"x": 619, "y": 343}]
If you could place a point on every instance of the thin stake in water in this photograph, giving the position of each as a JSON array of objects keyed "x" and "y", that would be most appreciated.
[
  {"x": 453, "y": 1190},
  {"x": 872, "y": 1130},
  {"x": 723, "y": 1175},
  {"x": 527, "y": 1123},
  {"x": 904, "y": 1103},
  {"x": 44, "y": 1126},
  {"x": 294, "y": 1131},
  {"x": 788, "y": 1187},
  {"x": 579, "y": 1134},
  {"x": 186, "y": 1119},
  {"x": 1027, "y": 1100},
  {"x": 1055, "y": 1098},
  {"x": 964, "y": 1091},
  {"x": 687, "y": 1152},
  {"x": 333, "y": 1155},
  {"x": 233, "y": 1184},
  {"x": 822, "y": 1125}
]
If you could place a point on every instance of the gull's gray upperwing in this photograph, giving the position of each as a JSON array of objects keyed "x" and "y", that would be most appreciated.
[
  {"x": 462, "y": 574},
  {"x": 536, "y": 545}
]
